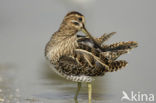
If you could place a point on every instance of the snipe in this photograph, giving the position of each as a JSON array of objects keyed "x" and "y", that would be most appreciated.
[{"x": 81, "y": 58}]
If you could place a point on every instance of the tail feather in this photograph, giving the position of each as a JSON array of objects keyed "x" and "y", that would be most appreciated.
[
  {"x": 104, "y": 37},
  {"x": 120, "y": 46},
  {"x": 114, "y": 55},
  {"x": 116, "y": 65}
]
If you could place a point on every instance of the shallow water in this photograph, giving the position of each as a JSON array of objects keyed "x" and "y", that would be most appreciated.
[{"x": 44, "y": 87}]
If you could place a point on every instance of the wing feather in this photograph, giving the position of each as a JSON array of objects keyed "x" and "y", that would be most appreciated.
[
  {"x": 120, "y": 46},
  {"x": 90, "y": 60}
]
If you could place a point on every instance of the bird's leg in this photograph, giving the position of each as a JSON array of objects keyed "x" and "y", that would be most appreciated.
[
  {"x": 78, "y": 89},
  {"x": 89, "y": 92}
]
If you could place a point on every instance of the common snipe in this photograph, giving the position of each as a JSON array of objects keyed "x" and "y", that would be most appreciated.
[{"x": 81, "y": 58}]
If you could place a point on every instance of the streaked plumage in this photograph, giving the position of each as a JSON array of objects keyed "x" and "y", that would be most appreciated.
[{"x": 80, "y": 58}]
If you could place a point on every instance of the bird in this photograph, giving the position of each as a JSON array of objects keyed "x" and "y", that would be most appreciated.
[{"x": 80, "y": 58}]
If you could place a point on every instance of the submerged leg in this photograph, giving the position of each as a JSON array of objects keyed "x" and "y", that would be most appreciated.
[
  {"x": 89, "y": 92},
  {"x": 78, "y": 89}
]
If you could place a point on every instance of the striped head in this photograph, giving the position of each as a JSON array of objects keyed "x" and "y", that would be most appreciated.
[{"x": 76, "y": 21}]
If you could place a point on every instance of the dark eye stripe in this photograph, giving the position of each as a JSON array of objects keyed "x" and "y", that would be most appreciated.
[{"x": 76, "y": 23}]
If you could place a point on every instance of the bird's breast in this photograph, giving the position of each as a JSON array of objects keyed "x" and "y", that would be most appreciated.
[{"x": 63, "y": 48}]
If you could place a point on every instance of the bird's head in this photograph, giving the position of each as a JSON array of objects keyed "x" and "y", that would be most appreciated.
[{"x": 75, "y": 20}]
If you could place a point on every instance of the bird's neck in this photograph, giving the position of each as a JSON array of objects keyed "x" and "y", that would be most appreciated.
[{"x": 67, "y": 30}]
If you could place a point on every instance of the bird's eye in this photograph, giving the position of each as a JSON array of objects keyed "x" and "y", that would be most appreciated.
[
  {"x": 76, "y": 23},
  {"x": 80, "y": 19}
]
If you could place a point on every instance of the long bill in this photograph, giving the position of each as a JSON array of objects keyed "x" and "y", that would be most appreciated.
[{"x": 85, "y": 31}]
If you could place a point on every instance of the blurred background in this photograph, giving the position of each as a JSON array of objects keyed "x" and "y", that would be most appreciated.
[{"x": 27, "y": 25}]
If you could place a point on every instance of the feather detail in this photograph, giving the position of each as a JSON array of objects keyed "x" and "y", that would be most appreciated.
[
  {"x": 93, "y": 51},
  {"x": 114, "y": 55},
  {"x": 97, "y": 59},
  {"x": 104, "y": 37},
  {"x": 116, "y": 65},
  {"x": 69, "y": 66},
  {"x": 120, "y": 46}
]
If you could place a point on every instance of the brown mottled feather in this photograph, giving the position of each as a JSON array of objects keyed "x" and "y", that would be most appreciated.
[
  {"x": 116, "y": 65},
  {"x": 70, "y": 66},
  {"x": 75, "y": 55},
  {"x": 104, "y": 37},
  {"x": 113, "y": 55},
  {"x": 120, "y": 46}
]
